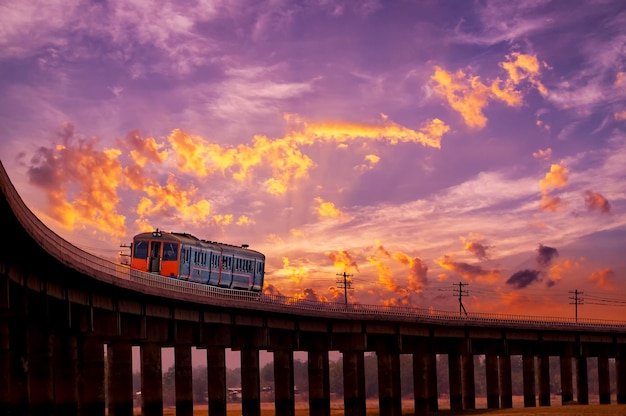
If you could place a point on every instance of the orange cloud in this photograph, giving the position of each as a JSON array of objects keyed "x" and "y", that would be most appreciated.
[
  {"x": 417, "y": 271},
  {"x": 295, "y": 274},
  {"x": 174, "y": 202},
  {"x": 143, "y": 149},
  {"x": 311, "y": 295},
  {"x": 620, "y": 115},
  {"x": 469, "y": 271},
  {"x": 560, "y": 269},
  {"x": 550, "y": 203},
  {"x": 603, "y": 279},
  {"x": 543, "y": 154},
  {"x": 475, "y": 245},
  {"x": 370, "y": 162},
  {"x": 327, "y": 209},
  {"x": 556, "y": 178},
  {"x": 80, "y": 182},
  {"x": 342, "y": 260},
  {"x": 469, "y": 96},
  {"x": 594, "y": 201}
]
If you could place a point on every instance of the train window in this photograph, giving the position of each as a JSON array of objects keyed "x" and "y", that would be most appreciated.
[
  {"x": 170, "y": 251},
  {"x": 215, "y": 261},
  {"x": 140, "y": 249}
]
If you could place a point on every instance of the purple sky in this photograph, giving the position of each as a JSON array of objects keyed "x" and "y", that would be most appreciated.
[{"x": 413, "y": 145}]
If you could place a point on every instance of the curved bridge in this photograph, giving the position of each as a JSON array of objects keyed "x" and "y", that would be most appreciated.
[{"x": 61, "y": 309}]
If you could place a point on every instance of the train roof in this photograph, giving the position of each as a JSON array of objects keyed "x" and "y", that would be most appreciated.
[{"x": 192, "y": 239}]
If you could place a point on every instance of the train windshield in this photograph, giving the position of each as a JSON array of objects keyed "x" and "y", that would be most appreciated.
[
  {"x": 140, "y": 249},
  {"x": 170, "y": 251}
]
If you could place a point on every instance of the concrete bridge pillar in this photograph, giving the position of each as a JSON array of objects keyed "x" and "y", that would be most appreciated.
[
  {"x": 506, "y": 387},
  {"x": 183, "y": 380},
  {"x": 567, "y": 387},
  {"x": 604, "y": 382},
  {"x": 467, "y": 375},
  {"x": 354, "y": 383},
  {"x": 420, "y": 382},
  {"x": 284, "y": 400},
  {"x": 91, "y": 364},
  {"x": 250, "y": 382},
  {"x": 120, "y": 384},
  {"x": 491, "y": 376},
  {"x": 66, "y": 374},
  {"x": 151, "y": 380},
  {"x": 582, "y": 380},
  {"x": 455, "y": 380},
  {"x": 216, "y": 373},
  {"x": 528, "y": 370},
  {"x": 389, "y": 390},
  {"x": 40, "y": 371},
  {"x": 544, "y": 380},
  {"x": 431, "y": 380},
  {"x": 319, "y": 384},
  {"x": 620, "y": 374},
  {"x": 5, "y": 369}
]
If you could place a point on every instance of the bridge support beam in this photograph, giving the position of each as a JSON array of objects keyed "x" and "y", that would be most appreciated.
[
  {"x": 284, "y": 400},
  {"x": 491, "y": 376},
  {"x": 66, "y": 374},
  {"x": 5, "y": 368},
  {"x": 528, "y": 370},
  {"x": 420, "y": 382},
  {"x": 604, "y": 381},
  {"x": 183, "y": 380},
  {"x": 250, "y": 382},
  {"x": 216, "y": 373},
  {"x": 506, "y": 387},
  {"x": 120, "y": 385},
  {"x": 151, "y": 380},
  {"x": 567, "y": 387},
  {"x": 91, "y": 377},
  {"x": 455, "y": 381},
  {"x": 40, "y": 371},
  {"x": 319, "y": 383},
  {"x": 431, "y": 380},
  {"x": 467, "y": 375},
  {"x": 620, "y": 374},
  {"x": 544, "y": 380},
  {"x": 389, "y": 391},
  {"x": 582, "y": 380},
  {"x": 354, "y": 383}
]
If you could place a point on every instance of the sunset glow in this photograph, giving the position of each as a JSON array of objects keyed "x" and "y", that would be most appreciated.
[{"x": 408, "y": 145}]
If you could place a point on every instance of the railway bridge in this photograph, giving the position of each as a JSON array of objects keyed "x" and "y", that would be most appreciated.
[{"x": 69, "y": 321}]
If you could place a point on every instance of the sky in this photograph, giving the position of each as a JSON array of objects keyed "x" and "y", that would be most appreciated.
[{"x": 418, "y": 147}]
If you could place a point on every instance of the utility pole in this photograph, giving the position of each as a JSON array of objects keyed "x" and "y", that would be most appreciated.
[
  {"x": 461, "y": 292},
  {"x": 577, "y": 300},
  {"x": 344, "y": 283}
]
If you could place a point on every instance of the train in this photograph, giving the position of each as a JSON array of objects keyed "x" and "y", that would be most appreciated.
[{"x": 186, "y": 257}]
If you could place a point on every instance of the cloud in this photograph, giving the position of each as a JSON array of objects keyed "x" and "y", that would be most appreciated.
[
  {"x": 594, "y": 201},
  {"x": 560, "y": 269},
  {"x": 524, "y": 278},
  {"x": 469, "y": 96},
  {"x": 80, "y": 182},
  {"x": 476, "y": 247},
  {"x": 469, "y": 271},
  {"x": 550, "y": 203},
  {"x": 556, "y": 178},
  {"x": 343, "y": 260},
  {"x": 604, "y": 279},
  {"x": 327, "y": 209},
  {"x": 417, "y": 276},
  {"x": 295, "y": 274},
  {"x": 545, "y": 255},
  {"x": 543, "y": 154}
]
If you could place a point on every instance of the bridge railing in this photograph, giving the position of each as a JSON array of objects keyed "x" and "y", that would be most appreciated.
[{"x": 92, "y": 265}]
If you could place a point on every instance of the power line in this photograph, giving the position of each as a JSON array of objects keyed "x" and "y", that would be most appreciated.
[
  {"x": 460, "y": 292},
  {"x": 577, "y": 301},
  {"x": 345, "y": 283}
]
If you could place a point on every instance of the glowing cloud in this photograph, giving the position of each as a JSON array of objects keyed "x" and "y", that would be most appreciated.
[
  {"x": 327, "y": 209},
  {"x": 594, "y": 201},
  {"x": 543, "y": 154},
  {"x": 475, "y": 245},
  {"x": 550, "y": 203},
  {"x": 342, "y": 260},
  {"x": 603, "y": 279},
  {"x": 80, "y": 182},
  {"x": 295, "y": 274},
  {"x": 556, "y": 178},
  {"x": 545, "y": 255},
  {"x": 469, "y": 271},
  {"x": 469, "y": 96}
]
